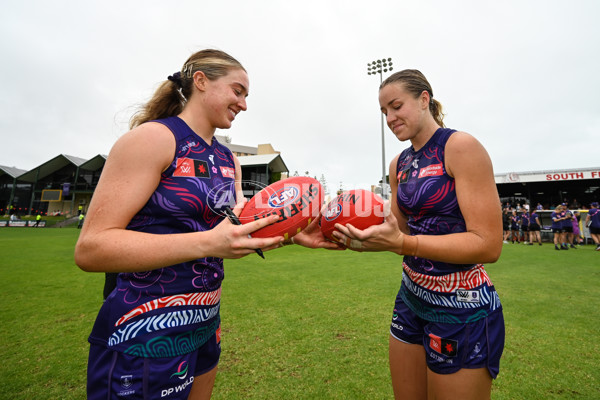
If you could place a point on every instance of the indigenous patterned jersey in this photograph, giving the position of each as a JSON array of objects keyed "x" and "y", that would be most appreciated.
[
  {"x": 435, "y": 290},
  {"x": 173, "y": 310}
]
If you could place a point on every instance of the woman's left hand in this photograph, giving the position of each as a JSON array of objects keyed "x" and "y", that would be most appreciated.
[
  {"x": 383, "y": 237},
  {"x": 313, "y": 238}
]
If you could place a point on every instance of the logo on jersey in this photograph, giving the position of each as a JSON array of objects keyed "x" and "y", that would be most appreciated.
[
  {"x": 228, "y": 172},
  {"x": 182, "y": 373},
  {"x": 284, "y": 196},
  {"x": 403, "y": 176},
  {"x": 126, "y": 381},
  {"x": 187, "y": 146},
  {"x": 182, "y": 370},
  {"x": 446, "y": 347},
  {"x": 431, "y": 170},
  {"x": 188, "y": 167},
  {"x": 467, "y": 296}
]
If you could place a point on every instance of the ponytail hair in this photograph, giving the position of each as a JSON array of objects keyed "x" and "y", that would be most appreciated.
[
  {"x": 172, "y": 95},
  {"x": 415, "y": 82}
]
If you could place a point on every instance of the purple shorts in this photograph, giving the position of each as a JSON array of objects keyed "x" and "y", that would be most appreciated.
[
  {"x": 114, "y": 375},
  {"x": 451, "y": 347}
]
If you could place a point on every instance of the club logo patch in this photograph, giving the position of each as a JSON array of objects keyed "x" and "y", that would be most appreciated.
[
  {"x": 446, "y": 347},
  {"x": 126, "y": 381},
  {"x": 188, "y": 167},
  {"x": 403, "y": 176}
]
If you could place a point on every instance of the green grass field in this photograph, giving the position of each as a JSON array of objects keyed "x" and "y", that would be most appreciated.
[{"x": 303, "y": 324}]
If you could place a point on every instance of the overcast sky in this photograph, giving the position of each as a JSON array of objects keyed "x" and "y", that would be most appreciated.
[{"x": 522, "y": 76}]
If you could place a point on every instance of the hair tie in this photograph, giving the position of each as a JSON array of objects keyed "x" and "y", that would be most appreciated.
[{"x": 176, "y": 78}]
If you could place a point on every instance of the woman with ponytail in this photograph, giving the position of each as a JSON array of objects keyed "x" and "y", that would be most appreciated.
[
  {"x": 447, "y": 330},
  {"x": 157, "y": 334}
]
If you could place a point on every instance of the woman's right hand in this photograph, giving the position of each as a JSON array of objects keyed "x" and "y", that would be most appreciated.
[{"x": 234, "y": 241}]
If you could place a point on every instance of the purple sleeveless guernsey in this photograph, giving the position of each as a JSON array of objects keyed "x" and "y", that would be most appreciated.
[
  {"x": 438, "y": 291},
  {"x": 173, "y": 310}
]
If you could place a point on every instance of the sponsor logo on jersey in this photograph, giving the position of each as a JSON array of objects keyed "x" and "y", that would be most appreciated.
[
  {"x": 283, "y": 196},
  {"x": 446, "y": 347},
  {"x": 182, "y": 371},
  {"x": 181, "y": 374},
  {"x": 431, "y": 170},
  {"x": 228, "y": 172},
  {"x": 188, "y": 167}
]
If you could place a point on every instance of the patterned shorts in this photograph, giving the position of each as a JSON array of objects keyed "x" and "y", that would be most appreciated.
[
  {"x": 115, "y": 375},
  {"x": 450, "y": 347}
]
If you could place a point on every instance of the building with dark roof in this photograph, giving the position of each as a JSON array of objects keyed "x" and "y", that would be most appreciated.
[{"x": 65, "y": 183}]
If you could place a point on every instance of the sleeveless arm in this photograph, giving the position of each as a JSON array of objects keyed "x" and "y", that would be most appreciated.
[
  {"x": 131, "y": 174},
  {"x": 469, "y": 164}
]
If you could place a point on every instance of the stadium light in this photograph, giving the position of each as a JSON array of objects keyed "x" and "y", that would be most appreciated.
[{"x": 374, "y": 68}]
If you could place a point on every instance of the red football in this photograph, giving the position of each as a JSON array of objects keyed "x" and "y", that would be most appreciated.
[
  {"x": 361, "y": 208},
  {"x": 296, "y": 200}
]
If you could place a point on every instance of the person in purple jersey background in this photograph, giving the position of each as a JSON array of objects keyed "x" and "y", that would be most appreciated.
[
  {"x": 514, "y": 226},
  {"x": 534, "y": 228},
  {"x": 157, "y": 334},
  {"x": 592, "y": 220},
  {"x": 577, "y": 236},
  {"x": 446, "y": 220},
  {"x": 568, "y": 228},
  {"x": 557, "y": 218},
  {"x": 525, "y": 226}
]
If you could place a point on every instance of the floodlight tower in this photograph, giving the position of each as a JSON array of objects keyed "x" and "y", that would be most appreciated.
[{"x": 374, "y": 68}]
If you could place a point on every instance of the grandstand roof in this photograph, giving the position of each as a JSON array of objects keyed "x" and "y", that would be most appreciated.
[
  {"x": 94, "y": 164},
  {"x": 11, "y": 171},
  {"x": 49, "y": 167},
  {"x": 274, "y": 161}
]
